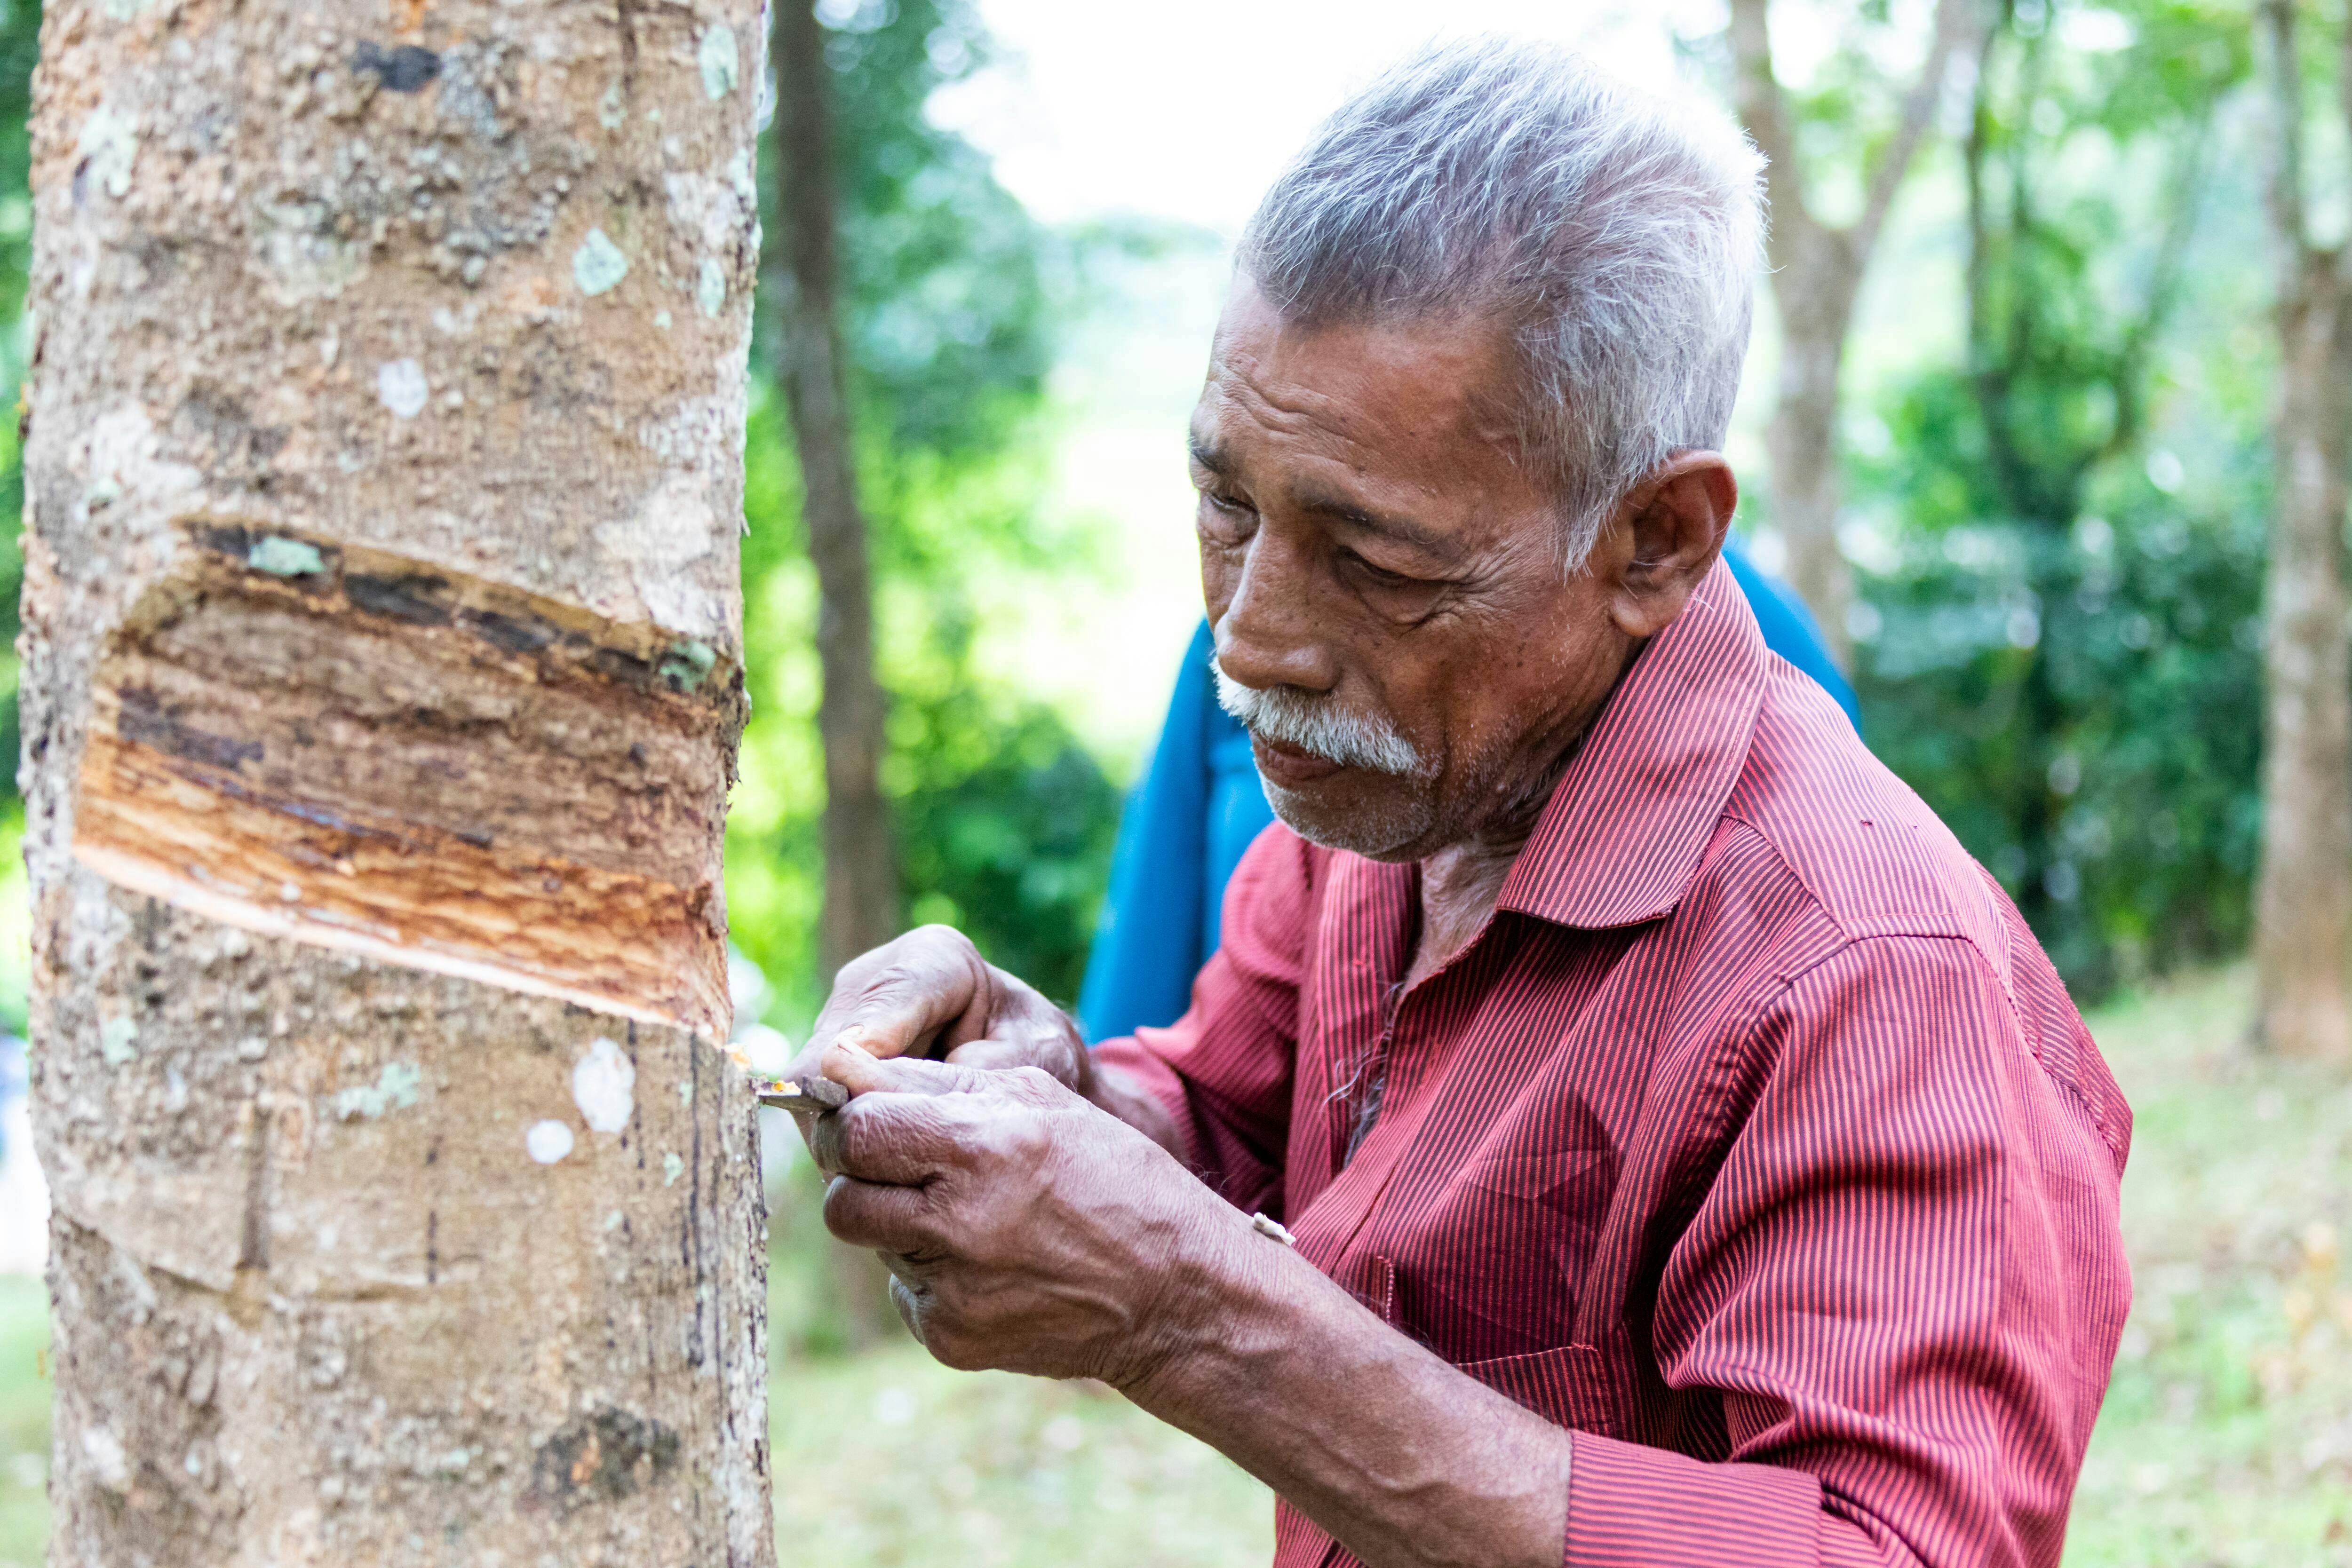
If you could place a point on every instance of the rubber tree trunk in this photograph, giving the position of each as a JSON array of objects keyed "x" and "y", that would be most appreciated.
[
  {"x": 381, "y": 696},
  {"x": 861, "y": 875},
  {"x": 2303, "y": 915}
]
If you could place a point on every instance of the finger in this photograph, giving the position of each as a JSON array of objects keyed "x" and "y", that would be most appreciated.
[
  {"x": 992, "y": 1055},
  {"x": 880, "y": 1218},
  {"x": 904, "y": 1140},
  {"x": 860, "y": 1071},
  {"x": 928, "y": 986}
]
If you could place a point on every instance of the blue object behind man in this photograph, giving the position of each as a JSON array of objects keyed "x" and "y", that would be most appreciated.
[{"x": 1200, "y": 806}]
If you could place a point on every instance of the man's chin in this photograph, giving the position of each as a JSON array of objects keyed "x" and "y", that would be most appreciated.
[{"x": 1386, "y": 822}]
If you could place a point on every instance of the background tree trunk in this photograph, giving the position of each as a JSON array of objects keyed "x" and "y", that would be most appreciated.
[
  {"x": 1817, "y": 272},
  {"x": 2302, "y": 929},
  {"x": 1815, "y": 295},
  {"x": 861, "y": 875},
  {"x": 382, "y": 684},
  {"x": 861, "y": 871}
]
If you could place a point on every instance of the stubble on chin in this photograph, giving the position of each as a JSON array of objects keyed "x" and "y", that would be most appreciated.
[
  {"x": 1379, "y": 831},
  {"x": 1411, "y": 819}
]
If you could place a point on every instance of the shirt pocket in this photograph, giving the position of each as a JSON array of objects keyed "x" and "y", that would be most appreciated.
[
  {"x": 1494, "y": 1268},
  {"x": 1568, "y": 1387}
]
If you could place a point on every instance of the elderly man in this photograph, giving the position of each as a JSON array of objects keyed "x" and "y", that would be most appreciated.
[{"x": 1690, "y": 1156}]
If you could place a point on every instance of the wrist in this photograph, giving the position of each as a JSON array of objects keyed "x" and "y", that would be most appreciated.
[{"x": 1221, "y": 1299}]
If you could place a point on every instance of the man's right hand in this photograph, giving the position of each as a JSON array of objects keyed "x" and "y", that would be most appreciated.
[{"x": 930, "y": 994}]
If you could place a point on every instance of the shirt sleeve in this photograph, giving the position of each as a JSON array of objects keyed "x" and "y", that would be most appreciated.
[
  {"x": 1904, "y": 1285},
  {"x": 1224, "y": 1070}
]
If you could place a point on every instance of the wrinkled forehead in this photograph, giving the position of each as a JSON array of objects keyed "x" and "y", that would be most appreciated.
[{"x": 1426, "y": 394}]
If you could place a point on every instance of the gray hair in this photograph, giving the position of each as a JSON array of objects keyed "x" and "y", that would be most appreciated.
[{"x": 1615, "y": 235}]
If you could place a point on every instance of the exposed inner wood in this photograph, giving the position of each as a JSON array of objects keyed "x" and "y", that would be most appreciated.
[{"x": 353, "y": 749}]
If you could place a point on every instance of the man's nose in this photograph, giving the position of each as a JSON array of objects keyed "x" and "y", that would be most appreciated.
[{"x": 1267, "y": 636}]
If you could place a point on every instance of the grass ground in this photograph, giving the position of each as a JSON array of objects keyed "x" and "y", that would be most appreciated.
[{"x": 2226, "y": 1441}]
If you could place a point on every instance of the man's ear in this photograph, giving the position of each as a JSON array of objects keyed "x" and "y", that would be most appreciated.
[{"x": 1671, "y": 525}]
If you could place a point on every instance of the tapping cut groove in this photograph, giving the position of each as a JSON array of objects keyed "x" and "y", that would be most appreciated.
[{"x": 354, "y": 750}]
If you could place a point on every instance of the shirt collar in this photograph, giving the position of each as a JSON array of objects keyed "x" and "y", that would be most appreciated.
[{"x": 1623, "y": 833}]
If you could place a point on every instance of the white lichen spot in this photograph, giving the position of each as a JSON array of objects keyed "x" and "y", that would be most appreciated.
[
  {"x": 118, "y": 1040},
  {"x": 282, "y": 557},
  {"x": 548, "y": 1142},
  {"x": 604, "y": 1085},
  {"x": 615, "y": 1220},
  {"x": 108, "y": 146},
  {"x": 400, "y": 386},
  {"x": 661, "y": 319},
  {"x": 721, "y": 64},
  {"x": 612, "y": 109},
  {"x": 686, "y": 1091},
  {"x": 106, "y": 1460},
  {"x": 125, "y": 10},
  {"x": 598, "y": 265},
  {"x": 123, "y": 443},
  {"x": 710, "y": 289},
  {"x": 394, "y": 1089},
  {"x": 673, "y": 1167}
]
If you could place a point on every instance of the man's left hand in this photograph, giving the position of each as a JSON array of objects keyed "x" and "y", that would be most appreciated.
[{"x": 1024, "y": 1228}]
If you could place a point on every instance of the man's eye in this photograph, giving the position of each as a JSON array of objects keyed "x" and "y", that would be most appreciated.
[
  {"x": 1382, "y": 576},
  {"x": 1225, "y": 503}
]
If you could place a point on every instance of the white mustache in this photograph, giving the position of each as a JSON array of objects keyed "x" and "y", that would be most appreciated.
[{"x": 1316, "y": 725}]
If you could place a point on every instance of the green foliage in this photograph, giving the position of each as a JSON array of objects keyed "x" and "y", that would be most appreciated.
[
  {"x": 1002, "y": 820},
  {"x": 2065, "y": 655},
  {"x": 2149, "y": 776},
  {"x": 943, "y": 270},
  {"x": 1005, "y": 823},
  {"x": 20, "y": 29}
]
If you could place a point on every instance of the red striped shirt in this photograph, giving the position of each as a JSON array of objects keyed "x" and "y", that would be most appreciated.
[{"x": 1753, "y": 1138}]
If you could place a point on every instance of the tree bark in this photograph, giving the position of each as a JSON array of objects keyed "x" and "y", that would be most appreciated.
[
  {"x": 2303, "y": 905},
  {"x": 861, "y": 874},
  {"x": 380, "y": 692},
  {"x": 1817, "y": 272}
]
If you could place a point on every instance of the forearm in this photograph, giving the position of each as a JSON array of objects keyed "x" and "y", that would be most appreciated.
[{"x": 1404, "y": 1461}]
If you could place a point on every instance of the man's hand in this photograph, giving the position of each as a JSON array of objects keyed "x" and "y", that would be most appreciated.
[
  {"x": 930, "y": 994},
  {"x": 1026, "y": 1229},
  {"x": 1023, "y": 1228}
]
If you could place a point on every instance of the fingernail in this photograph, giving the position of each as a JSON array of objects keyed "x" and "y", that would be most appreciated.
[{"x": 848, "y": 1043}]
